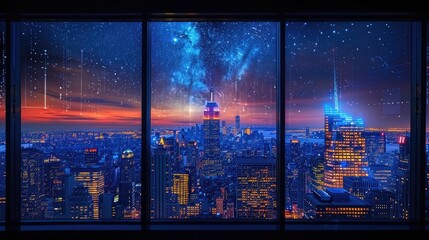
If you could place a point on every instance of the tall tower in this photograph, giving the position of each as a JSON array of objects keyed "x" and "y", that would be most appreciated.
[
  {"x": 32, "y": 183},
  {"x": 345, "y": 151},
  {"x": 211, "y": 165},
  {"x": 237, "y": 124},
  {"x": 127, "y": 179},
  {"x": 403, "y": 179},
  {"x": 91, "y": 177}
]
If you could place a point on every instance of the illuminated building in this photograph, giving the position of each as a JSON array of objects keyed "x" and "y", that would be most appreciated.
[
  {"x": 360, "y": 187},
  {"x": 335, "y": 203},
  {"x": 92, "y": 178},
  {"x": 181, "y": 187},
  {"x": 32, "y": 192},
  {"x": 256, "y": 188},
  {"x": 127, "y": 179},
  {"x": 211, "y": 165},
  {"x": 344, "y": 148},
  {"x": 247, "y": 131},
  {"x": 91, "y": 156},
  {"x": 81, "y": 203},
  {"x": 345, "y": 151},
  {"x": 375, "y": 143},
  {"x": 403, "y": 179},
  {"x": 382, "y": 204},
  {"x": 2, "y": 205}
]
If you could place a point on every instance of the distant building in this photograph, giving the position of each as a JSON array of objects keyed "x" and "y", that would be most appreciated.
[
  {"x": 81, "y": 203},
  {"x": 382, "y": 204},
  {"x": 92, "y": 178},
  {"x": 91, "y": 156},
  {"x": 403, "y": 179},
  {"x": 32, "y": 192},
  {"x": 335, "y": 203},
  {"x": 375, "y": 143}
]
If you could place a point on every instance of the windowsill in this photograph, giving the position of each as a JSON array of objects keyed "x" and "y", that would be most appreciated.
[{"x": 82, "y": 227}]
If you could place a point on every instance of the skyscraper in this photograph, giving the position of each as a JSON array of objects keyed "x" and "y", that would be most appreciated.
[
  {"x": 127, "y": 179},
  {"x": 403, "y": 179},
  {"x": 237, "y": 124},
  {"x": 91, "y": 156},
  {"x": 345, "y": 152},
  {"x": 256, "y": 188},
  {"x": 92, "y": 178},
  {"x": 160, "y": 184},
  {"x": 211, "y": 165},
  {"x": 32, "y": 192},
  {"x": 52, "y": 174},
  {"x": 375, "y": 145}
]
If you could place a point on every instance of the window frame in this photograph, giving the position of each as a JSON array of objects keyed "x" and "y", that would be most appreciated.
[{"x": 418, "y": 121}]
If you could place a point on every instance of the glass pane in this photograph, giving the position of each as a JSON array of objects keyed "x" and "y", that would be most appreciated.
[
  {"x": 81, "y": 120},
  {"x": 213, "y": 118},
  {"x": 347, "y": 120},
  {"x": 2, "y": 122}
]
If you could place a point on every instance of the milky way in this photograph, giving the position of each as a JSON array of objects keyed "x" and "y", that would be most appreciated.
[{"x": 238, "y": 60}]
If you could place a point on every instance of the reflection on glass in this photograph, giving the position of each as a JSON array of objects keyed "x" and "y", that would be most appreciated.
[
  {"x": 2, "y": 123},
  {"x": 347, "y": 120},
  {"x": 81, "y": 106},
  {"x": 213, "y": 118}
]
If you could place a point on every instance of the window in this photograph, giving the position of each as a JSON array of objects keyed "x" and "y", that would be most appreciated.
[
  {"x": 213, "y": 120},
  {"x": 2, "y": 123},
  {"x": 348, "y": 90},
  {"x": 81, "y": 120}
]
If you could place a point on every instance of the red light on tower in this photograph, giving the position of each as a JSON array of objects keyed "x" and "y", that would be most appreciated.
[{"x": 401, "y": 140}]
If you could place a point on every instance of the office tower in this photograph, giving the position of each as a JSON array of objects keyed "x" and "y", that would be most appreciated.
[
  {"x": 382, "y": 204},
  {"x": 93, "y": 179},
  {"x": 160, "y": 182},
  {"x": 81, "y": 204},
  {"x": 52, "y": 174},
  {"x": 375, "y": 145},
  {"x": 344, "y": 145},
  {"x": 181, "y": 187},
  {"x": 91, "y": 156},
  {"x": 211, "y": 165},
  {"x": 403, "y": 179},
  {"x": 106, "y": 206},
  {"x": 256, "y": 188},
  {"x": 335, "y": 203},
  {"x": 127, "y": 179},
  {"x": 237, "y": 124},
  {"x": 360, "y": 187},
  {"x": 381, "y": 173},
  {"x": 307, "y": 132},
  {"x": 32, "y": 192}
]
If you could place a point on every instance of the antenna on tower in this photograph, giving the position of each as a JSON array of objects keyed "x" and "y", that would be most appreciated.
[
  {"x": 336, "y": 102},
  {"x": 211, "y": 95}
]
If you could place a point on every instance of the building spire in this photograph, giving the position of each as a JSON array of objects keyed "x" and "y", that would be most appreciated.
[
  {"x": 336, "y": 102},
  {"x": 211, "y": 95}
]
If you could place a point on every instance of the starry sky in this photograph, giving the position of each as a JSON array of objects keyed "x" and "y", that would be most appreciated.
[
  {"x": 237, "y": 60},
  {"x": 92, "y": 72},
  {"x": 372, "y": 68}
]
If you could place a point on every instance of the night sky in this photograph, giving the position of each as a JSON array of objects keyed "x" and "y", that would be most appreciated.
[
  {"x": 238, "y": 60},
  {"x": 372, "y": 66},
  {"x": 93, "y": 75}
]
